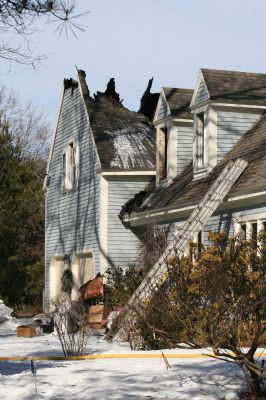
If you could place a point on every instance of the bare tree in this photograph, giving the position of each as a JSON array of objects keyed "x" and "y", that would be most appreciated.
[
  {"x": 18, "y": 22},
  {"x": 27, "y": 126},
  {"x": 71, "y": 325}
]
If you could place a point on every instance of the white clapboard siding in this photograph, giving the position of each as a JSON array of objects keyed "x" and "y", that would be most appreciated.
[
  {"x": 230, "y": 128},
  {"x": 226, "y": 220},
  {"x": 72, "y": 218},
  {"x": 123, "y": 244},
  {"x": 184, "y": 146}
]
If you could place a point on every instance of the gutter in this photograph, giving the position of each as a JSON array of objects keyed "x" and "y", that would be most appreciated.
[{"x": 161, "y": 214}]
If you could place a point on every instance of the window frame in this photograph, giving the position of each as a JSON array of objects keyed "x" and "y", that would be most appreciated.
[
  {"x": 70, "y": 166},
  {"x": 162, "y": 153},
  {"x": 200, "y": 138},
  {"x": 250, "y": 228}
]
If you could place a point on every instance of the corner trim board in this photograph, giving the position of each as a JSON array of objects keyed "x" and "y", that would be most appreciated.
[{"x": 103, "y": 258}]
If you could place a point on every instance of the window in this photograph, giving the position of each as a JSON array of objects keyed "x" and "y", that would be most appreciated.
[
  {"x": 199, "y": 242},
  {"x": 254, "y": 234},
  {"x": 162, "y": 153},
  {"x": 200, "y": 140},
  {"x": 70, "y": 166},
  {"x": 195, "y": 247},
  {"x": 243, "y": 231},
  {"x": 250, "y": 230}
]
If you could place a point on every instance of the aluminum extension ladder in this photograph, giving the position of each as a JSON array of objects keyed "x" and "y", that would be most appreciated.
[{"x": 198, "y": 218}]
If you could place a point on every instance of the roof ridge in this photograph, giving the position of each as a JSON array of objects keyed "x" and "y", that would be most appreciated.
[
  {"x": 177, "y": 88},
  {"x": 232, "y": 71}
]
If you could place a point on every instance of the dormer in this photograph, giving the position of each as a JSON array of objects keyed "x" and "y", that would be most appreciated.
[
  {"x": 174, "y": 133},
  {"x": 225, "y": 104}
]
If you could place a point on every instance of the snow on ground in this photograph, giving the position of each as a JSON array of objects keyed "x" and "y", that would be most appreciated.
[
  {"x": 7, "y": 323},
  {"x": 116, "y": 379},
  {"x": 104, "y": 379}
]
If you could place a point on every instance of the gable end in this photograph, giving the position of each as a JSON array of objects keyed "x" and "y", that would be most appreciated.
[
  {"x": 201, "y": 93},
  {"x": 162, "y": 109}
]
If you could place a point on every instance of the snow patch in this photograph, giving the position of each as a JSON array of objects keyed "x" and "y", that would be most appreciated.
[
  {"x": 132, "y": 145},
  {"x": 7, "y": 323}
]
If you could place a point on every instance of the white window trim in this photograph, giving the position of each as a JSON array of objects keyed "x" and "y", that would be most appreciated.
[
  {"x": 248, "y": 222},
  {"x": 70, "y": 167},
  {"x": 162, "y": 135},
  {"x": 210, "y": 141}
]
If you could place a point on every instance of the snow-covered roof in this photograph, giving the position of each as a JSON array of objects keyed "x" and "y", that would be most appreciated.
[{"x": 124, "y": 139}]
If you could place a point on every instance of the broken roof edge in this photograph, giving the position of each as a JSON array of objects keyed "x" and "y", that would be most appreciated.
[
  {"x": 164, "y": 214},
  {"x": 107, "y": 117},
  {"x": 87, "y": 102}
]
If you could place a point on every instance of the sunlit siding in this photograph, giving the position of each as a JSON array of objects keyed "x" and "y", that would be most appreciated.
[
  {"x": 230, "y": 128},
  {"x": 123, "y": 245},
  {"x": 220, "y": 221},
  {"x": 72, "y": 218},
  {"x": 227, "y": 220},
  {"x": 184, "y": 146}
]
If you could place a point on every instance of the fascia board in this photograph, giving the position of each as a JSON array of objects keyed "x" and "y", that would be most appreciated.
[
  {"x": 54, "y": 136},
  {"x": 88, "y": 117},
  {"x": 126, "y": 173},
  {"x": 236, "y": 107},
  {"x": 160, "y": 214},
  {"x": 164, "y": 214}
]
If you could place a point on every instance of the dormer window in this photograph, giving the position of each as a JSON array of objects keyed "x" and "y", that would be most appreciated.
[
  {"x": 200, "y": 140},
  {"x": 70, "y": 166},
  {"x": 162, "y": 153}
]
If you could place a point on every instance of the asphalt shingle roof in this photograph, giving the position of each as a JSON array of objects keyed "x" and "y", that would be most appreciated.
[
  {"x": 179, "y": 102},
  {"x": 245, "y": 88}
]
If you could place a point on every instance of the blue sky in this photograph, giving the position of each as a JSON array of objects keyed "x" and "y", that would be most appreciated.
[{"x": 135, "y": 40}]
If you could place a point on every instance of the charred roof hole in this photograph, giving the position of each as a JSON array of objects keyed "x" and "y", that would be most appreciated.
[
  {"x": 148, "y": 101},
  {"x": 111, "y": 92},
  {"x": 70, "y": 83}
]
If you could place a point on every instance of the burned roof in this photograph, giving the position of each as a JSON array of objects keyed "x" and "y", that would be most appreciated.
[
  {"x": 184, "y": 191},
  {"x": 124, "y": 139},
  {"x": 245, "y": 88},
  {"x": 179, "y": 102},
  {"x": 148, "y": 102}
]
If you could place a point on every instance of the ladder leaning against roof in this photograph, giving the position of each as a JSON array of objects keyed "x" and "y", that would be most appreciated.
[{"x": 198, "y": 218}]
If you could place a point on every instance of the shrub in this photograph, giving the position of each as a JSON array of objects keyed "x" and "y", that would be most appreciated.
[
  {"x": 71, "y": 325},
  {"x": 217, "y": 300}
]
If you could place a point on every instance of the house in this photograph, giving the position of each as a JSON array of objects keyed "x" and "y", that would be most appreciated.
[
  {"x": 101, "y": 155},
  {"x": 223, "y": 187},
  {"x": 110, "y": 177},
  {"x": 229, "y": 123}
]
